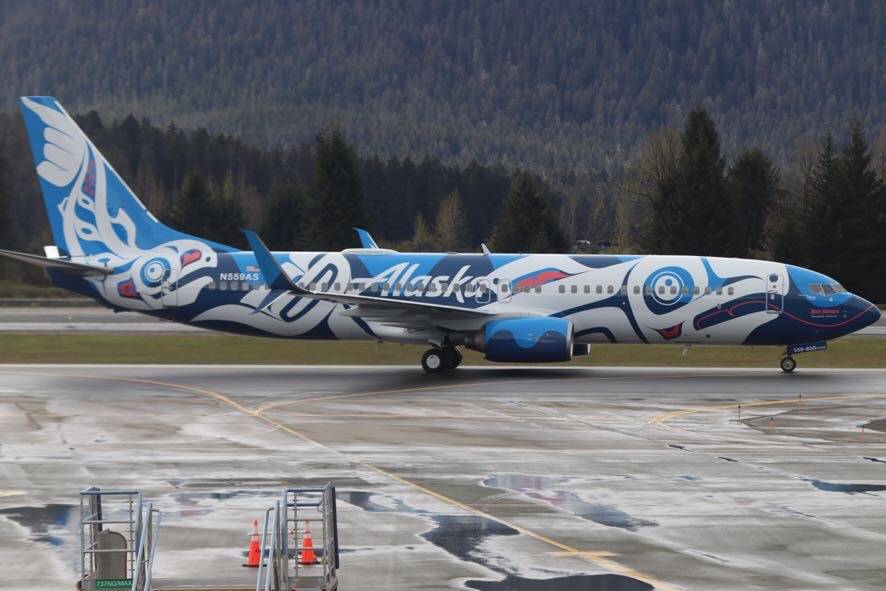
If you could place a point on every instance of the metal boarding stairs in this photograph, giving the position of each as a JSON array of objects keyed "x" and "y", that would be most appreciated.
[{"x": 119, "y": 534}]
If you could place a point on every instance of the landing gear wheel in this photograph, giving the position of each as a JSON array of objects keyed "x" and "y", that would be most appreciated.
[
  {"x": 788, "y": 364},
  {"x": 451, "y": 357},
  {"x": 433, "y": 361}
]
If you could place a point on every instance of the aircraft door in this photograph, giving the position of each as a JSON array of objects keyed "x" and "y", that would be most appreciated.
[
  {"x": 169, "y": 290},
  {"x": 775, "y": 288}
]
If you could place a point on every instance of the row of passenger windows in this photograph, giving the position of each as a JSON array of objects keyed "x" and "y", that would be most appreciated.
[
  {"x": 647, "y": 290},
  {"x": 505, "y": 287}
]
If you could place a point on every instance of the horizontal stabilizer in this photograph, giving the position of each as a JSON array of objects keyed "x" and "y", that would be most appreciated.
[
  {"x": 56, "y": 264},
  {"x": 275, "y": 277}
]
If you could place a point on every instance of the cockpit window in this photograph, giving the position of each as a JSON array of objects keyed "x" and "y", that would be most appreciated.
[{"x": 826, "y": 288}]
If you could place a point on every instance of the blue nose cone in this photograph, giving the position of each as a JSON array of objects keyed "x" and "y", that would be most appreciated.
[{"x": 865, "y": 315}]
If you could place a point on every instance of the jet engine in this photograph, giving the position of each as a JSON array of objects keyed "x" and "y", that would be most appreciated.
[{"x": 524, "y": 339}]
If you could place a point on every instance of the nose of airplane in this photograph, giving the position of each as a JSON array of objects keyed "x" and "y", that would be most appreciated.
[{"x": 867, "y": 313}]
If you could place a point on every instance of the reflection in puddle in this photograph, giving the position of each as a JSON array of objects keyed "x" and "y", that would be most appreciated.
[
  {"x": 48, "y": 524},
  {"x": 461, "y": 535},
  {"x": 846, "y": 488},
  {"x": 571, "y": 583},
  {"x": 539, "y": 488}
]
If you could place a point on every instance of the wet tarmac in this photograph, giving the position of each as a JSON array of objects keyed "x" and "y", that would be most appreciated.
[{"x": 490, "y": 479}]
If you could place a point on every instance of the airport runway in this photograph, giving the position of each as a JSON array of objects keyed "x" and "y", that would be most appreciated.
[
  {"x": 490, "y": 478},
  {"x": 97, "y": 319}
]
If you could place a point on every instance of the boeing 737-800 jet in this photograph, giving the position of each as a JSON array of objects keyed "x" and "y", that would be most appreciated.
[{"x": 513, "y": 307}]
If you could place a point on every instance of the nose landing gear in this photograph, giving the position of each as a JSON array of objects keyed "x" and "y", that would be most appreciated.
[
  {"x": 440, "y": 359},
  {"x": 788, "y": 364}
]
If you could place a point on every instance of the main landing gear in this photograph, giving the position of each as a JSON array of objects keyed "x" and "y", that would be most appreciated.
[{"x": 440, "y": 359}]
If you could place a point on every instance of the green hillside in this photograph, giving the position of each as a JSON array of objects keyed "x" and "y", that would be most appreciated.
[{"x": 549, "y": 84}]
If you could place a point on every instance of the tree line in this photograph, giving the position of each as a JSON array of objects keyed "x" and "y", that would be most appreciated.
[
  {"x": 679, "y": 193},
  {"x": 829, "y": 214}
]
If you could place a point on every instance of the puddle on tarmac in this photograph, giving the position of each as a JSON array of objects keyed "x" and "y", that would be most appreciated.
[
  {"x": 570, "y": 583},
  {"x": 47, "y": 524},
  {"x": 846, "y": 487},
  {"x": 462, "y": 535},
  {"x": 540, "y": 489}
]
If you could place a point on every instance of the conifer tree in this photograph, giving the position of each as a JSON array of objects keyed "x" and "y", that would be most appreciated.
[
  {"x": 703, "y": 221},
  {"x": 753, "y": 182},
  {"x": 191, "y": 207},
  {"x": 196, "y": 212},
  {"x": 822, "y": 232},
  {"x": 281, "y": 226},
  {"x": 526, "y": 222},
  {"x": 423, "y": 239},
  {"x": 337, "y": 194},
  {"x": 863, "y": 196},
  {"x": 7, "y": 234},
  {"x": 450, "y": 225}
]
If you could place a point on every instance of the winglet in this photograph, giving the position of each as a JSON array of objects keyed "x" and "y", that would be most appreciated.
[
  {"x": 366, "y": 238},
  {"x": 275, "y": 277},
  {"x": 485, "y": 248}
]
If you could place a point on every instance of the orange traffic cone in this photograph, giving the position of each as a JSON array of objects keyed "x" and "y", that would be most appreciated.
[
  {"x": 307, "y": 555},
  {"x": 253, "y": 556}
]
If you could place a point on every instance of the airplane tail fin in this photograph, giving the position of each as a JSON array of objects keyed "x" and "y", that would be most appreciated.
[{"x": 92, "y": 212}]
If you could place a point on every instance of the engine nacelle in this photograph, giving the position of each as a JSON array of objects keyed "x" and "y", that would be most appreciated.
[{"x": 524, "y": 339}]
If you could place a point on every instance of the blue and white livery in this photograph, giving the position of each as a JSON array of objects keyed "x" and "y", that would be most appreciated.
[{"x": 513, "y": 307}]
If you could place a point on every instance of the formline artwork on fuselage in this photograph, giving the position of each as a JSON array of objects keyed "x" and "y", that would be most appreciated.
[{"x": 513, "y": 307}]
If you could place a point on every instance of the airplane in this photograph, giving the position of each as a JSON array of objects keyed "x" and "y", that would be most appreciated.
[{"x": 515, "y": 307}]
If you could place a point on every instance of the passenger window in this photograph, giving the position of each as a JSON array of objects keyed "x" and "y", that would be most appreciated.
[
  {"x": 562, "y": 289},
  {"x": 685, "y": 290},
  {"x": 707, "y": 290},
  {"x": 505, "y": 287},
  {"x": 647, "y": 290},
  {"x": 637, "y": 289},
  {"x": 587, "y": 289},
  {"x": 574, "y": 289},
  {"x": 211, "y": 285},
  {"x": 609, "y": 289},
  {"x": 661, "y": 289},
  {"x": 623, "y": 290},
  {"x": 719, "y": 291},
  {"x": 673, "y": 290},
  {"x": 537, "y": 289},
  {"x": 336, "y": 286},
  {"x": 731, "y": 291},
  {"x": 312, "y": 286},
  {"x": 697, "y": 290},
  {"x": 599, "y": 289},
  {"x": 222, "y": 286}
]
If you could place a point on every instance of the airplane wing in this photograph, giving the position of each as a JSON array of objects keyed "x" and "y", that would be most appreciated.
[
  {"x": 279, "y": 282},
  {"x": 57, "y": 264}
]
